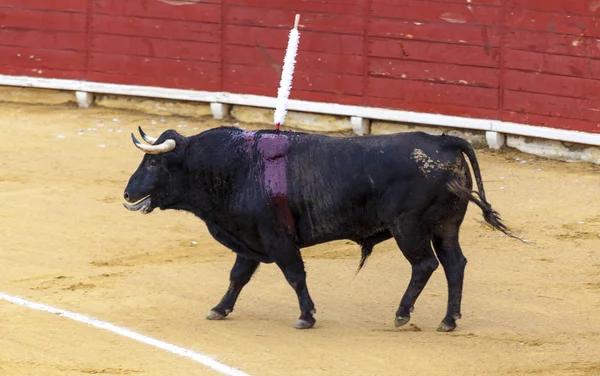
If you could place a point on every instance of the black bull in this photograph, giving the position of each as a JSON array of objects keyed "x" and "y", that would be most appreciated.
[{"x": 267, "y": 194}]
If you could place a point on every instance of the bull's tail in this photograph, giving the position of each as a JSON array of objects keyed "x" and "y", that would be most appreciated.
[
  {"x": 491, "y": 216},
  {"x": 365, "y": 250}
]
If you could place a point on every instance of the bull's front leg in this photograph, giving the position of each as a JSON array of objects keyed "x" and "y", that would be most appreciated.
[
  {"x": 240, "y": 275},
  {"x": 291, "y": 264}
]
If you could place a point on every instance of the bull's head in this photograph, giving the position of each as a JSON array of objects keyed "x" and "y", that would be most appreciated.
[{"x": 159, "y": 178}]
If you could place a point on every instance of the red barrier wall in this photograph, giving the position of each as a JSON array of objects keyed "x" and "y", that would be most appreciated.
[{"x": 527, "y": 61}]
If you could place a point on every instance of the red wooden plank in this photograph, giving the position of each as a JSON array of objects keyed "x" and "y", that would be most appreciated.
[
  {"x": 157, "y": 28},
  {"x": 329, "y": 83},
  {"x": 295, "y": 94},
  {"x": 42, "y": 20},
  {"x": 276, "y": 18},
  {"x": 198, "y": 11},
  {"x": 435, "y": 72},
  {"x": 13, "y": 70},
  {"x": 432, "y": 108},
  {"x": 328, "y": 97},
  {"x": 553, "y": 64},
  {"x": 309, "y": 41},
  {"x": 593, "y": 47},
  {"x": 151, "y": 47},
  {"x": 534, "y": 82},
  {"x": 249, "y": 75},
  {"x": 545, "y": 42},
  {"x": 551, "y": 105},
  {"x": 353, "y": 7},
  {"x": 446, "y": 13},
  {"x": 553, "y": 122},
  {"x": 594, "y": 30},
  {"x": 60, "y": 40},
  {"x": 435, "y": 52},
  {"x": 545, "y": 21},
  {"x": 151, "y": 66},
  {"x": 496, "y": 3},
  {"x": 434, "y": 93},
  {"x": 62, "y": 5},
  {"x": 584, "y": 7},
  {"x": 35, "y": 58},
  {"x": 305, "y": 61},
  {"x": 189, "y": 83},
  {"x": 235, "y": 87},
  {"x": 428, "y": 31}
]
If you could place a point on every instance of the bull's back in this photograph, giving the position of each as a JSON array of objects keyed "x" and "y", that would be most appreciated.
[{"x": 341, "y": 188}]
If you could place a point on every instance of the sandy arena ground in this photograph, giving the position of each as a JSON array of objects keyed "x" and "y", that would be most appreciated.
[{"x": 67, "y": 241}]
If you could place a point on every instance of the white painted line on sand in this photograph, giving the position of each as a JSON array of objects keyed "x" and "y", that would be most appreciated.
[{"x": 198, "y": 357}]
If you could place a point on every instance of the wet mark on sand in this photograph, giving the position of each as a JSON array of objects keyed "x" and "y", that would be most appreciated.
[{"x": 80, "y": 286}]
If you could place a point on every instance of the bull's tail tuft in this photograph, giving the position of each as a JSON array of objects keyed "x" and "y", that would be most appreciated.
[
  {"x": 366, "y": 250},
  {"x": 492, "y": 217}
]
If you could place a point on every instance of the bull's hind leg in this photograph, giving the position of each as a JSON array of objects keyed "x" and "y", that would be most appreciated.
[
  {"x": 453, "y": 261},
  {"x": 240, "y": 275},
  {"x": 415, "y": 244}
]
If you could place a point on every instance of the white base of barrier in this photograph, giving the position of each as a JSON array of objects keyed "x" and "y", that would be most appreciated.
[
  {"x": 360, "y": 126},
  {"x": 220, "y": 110},
  {"x": 495, "y": 140},
  {"x": 84, "y": 99},
  {"x": 306, "y": 106}
]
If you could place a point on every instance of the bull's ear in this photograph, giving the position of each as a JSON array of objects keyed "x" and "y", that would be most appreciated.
[
  {"x": 164, "y": 147},
  {"x": 148, "y": 139}
]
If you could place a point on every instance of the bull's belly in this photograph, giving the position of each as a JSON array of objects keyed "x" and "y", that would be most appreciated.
[{"x": 325, "y": 229}]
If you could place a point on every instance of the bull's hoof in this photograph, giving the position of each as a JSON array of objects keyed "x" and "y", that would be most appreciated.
[
  {"x": 401, "y": 321},
  {"x": 214, "y": 315},
  {"x": 446, "y": 327},
  {"x": 305, "y": 324}
]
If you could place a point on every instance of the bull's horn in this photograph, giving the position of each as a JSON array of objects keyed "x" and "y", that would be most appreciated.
[
  {"x": 148, "y": 139},
  {"x": 165, "y": 147}
]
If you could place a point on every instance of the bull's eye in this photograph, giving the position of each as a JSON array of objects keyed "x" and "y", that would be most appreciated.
[{"x": 152, "y": 163}]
